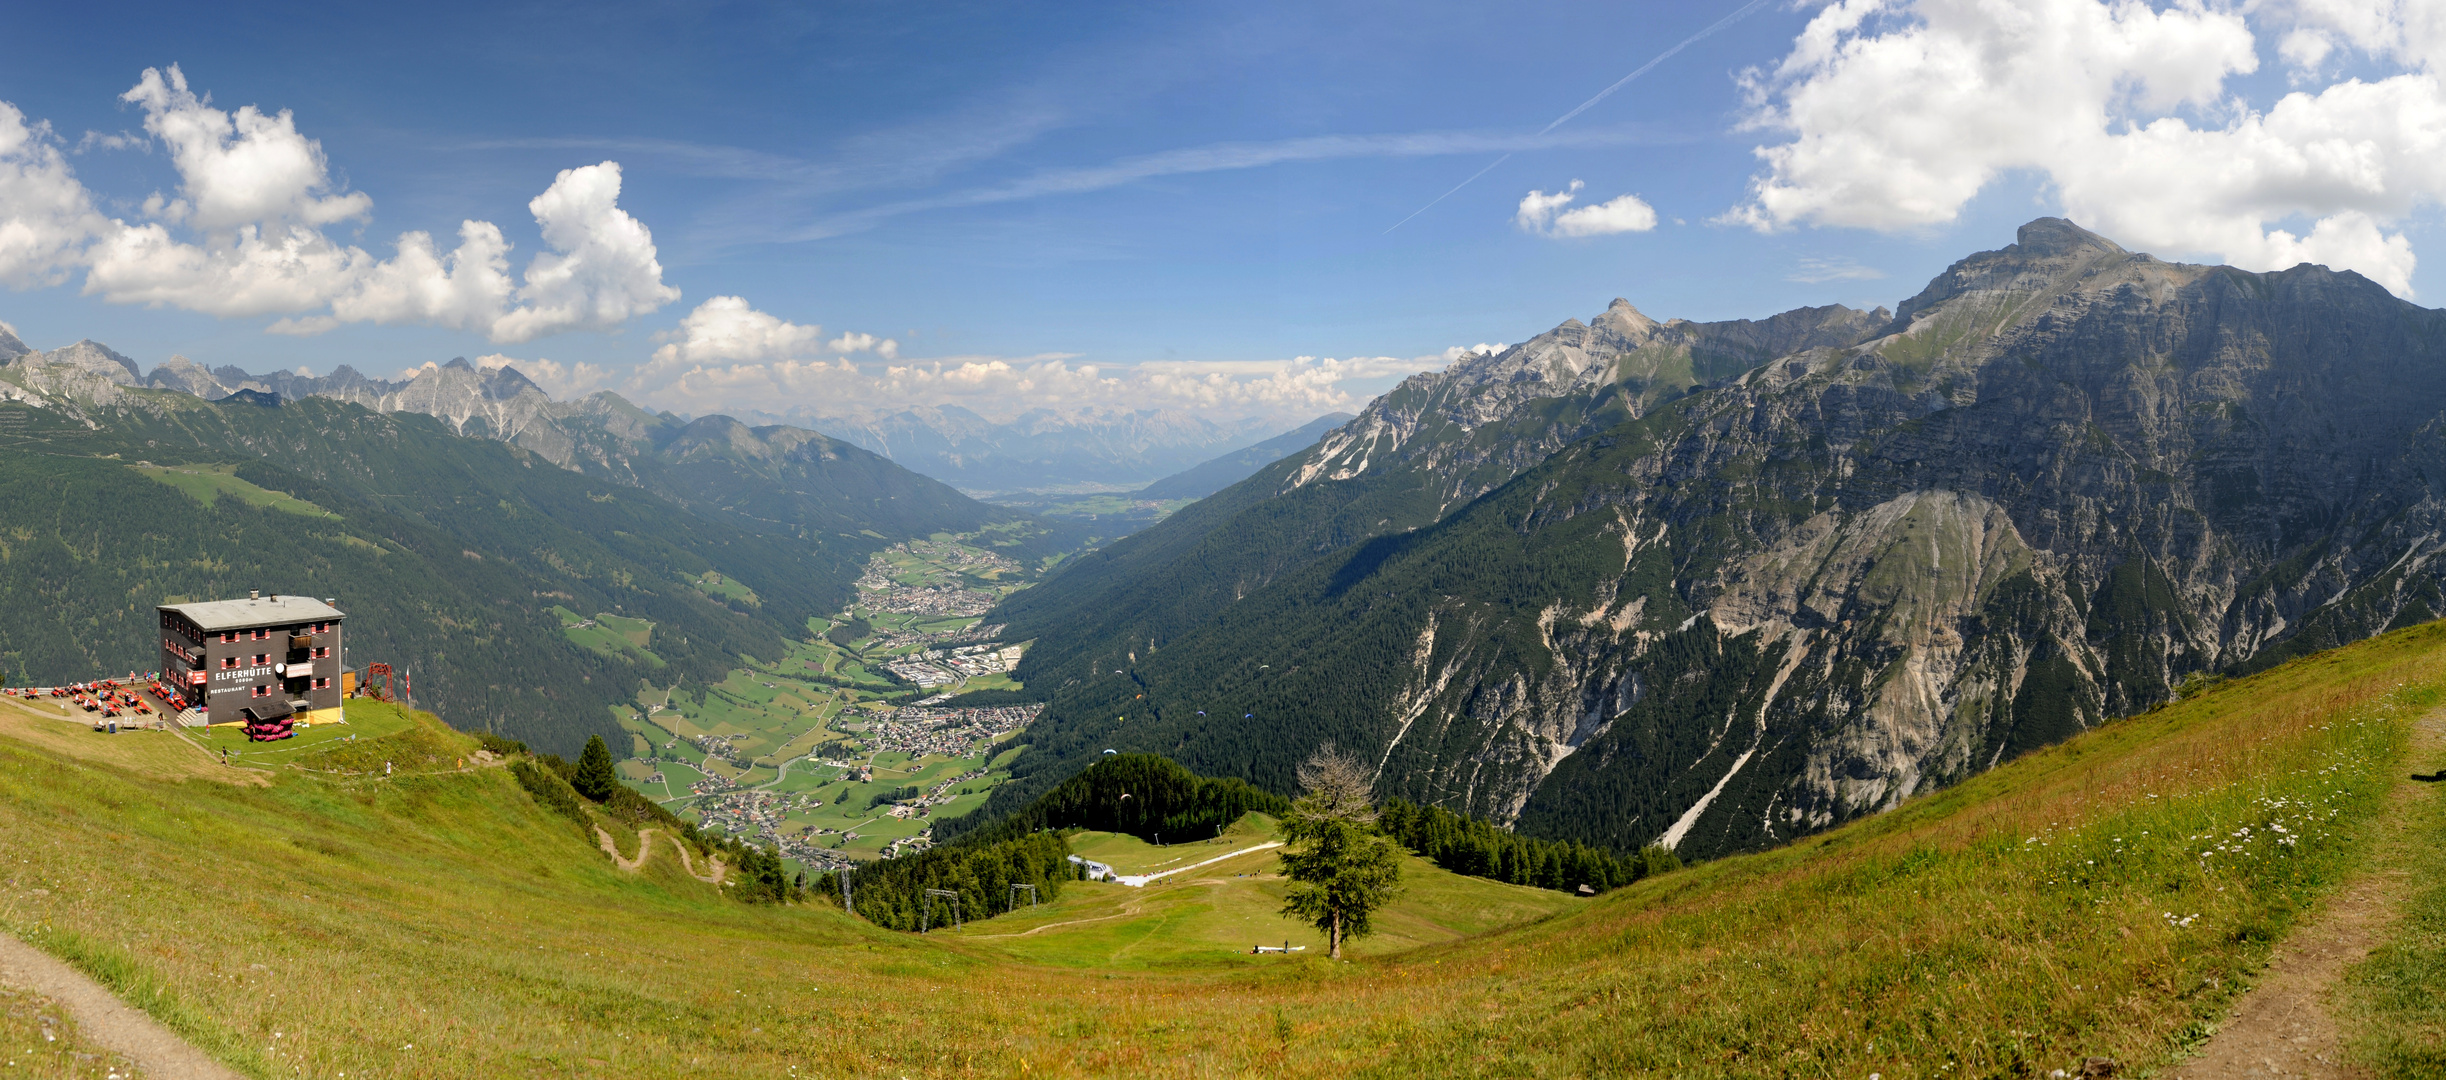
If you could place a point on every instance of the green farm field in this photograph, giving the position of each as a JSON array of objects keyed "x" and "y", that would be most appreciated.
[
  {"x": 2111, "y": 896},
  {"x": 610, "y": 635}
]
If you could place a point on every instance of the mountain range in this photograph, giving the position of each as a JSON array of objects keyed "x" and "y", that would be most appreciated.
[
  {"x": 1041, "y": 451},
  {"x": 765, "y": 476},
  {"x": 461, "y": 517},
  {"x": 1718, "y": 585}
]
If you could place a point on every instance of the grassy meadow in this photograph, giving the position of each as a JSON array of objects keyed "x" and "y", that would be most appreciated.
[
  {"x": 1207, "y": 917},
  {"x": 207, "y": 483},
  {"x": 2110, "y": 896}
]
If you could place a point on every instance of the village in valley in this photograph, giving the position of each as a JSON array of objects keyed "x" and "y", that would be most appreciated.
[{"x": 850, "y": 745}]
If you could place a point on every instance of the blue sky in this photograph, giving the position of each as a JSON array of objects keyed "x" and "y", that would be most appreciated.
[{"x": 1201, "y": 192}]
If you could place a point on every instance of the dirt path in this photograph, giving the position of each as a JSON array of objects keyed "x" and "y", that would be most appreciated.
[
  {"x": 1128, "y": 908},
  {"x": 2285, "y": 1026},
  {"x": 102, "y": 1020},
  {"x": 714, "y": 861},
  {"x": 645, "y": 847}
]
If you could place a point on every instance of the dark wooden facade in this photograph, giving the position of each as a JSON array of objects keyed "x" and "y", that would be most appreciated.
[{"x": 268, "y": 655}]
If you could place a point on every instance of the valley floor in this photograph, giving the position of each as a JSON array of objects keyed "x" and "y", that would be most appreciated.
[
  {"x": 817, "y": 754},
  {"x": 2114, "y": 897}
]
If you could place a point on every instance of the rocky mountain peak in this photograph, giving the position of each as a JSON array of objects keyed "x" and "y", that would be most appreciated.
[
  {"x": 510, "y": 382},
  {"x": 187, "y": 377},
  {"x": 2055, "y": 238},
  {"x": 1627, "y": 321},
  {"x": 716, "y": 436},
  {"x": 1979, "y": 295},
  {"x": 92, "y": 356},
  {"x": 10, "y": 347}
]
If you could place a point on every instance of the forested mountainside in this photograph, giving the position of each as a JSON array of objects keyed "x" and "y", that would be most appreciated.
[
  {"x": 2057, "y": 481},
  {"x": 449, "y": 552},
  {"x": 768, "y": 478},
  {"x": 1209, "y": 477}
]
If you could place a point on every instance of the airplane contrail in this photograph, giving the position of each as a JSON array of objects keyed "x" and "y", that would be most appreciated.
[{"x": 1738, "y": 14}]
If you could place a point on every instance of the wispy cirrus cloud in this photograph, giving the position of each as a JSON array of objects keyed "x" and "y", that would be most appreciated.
[
  {"x": 911, "y": 153},
  {"x": 820, "y": 194},
  {"x": 1818, "y": 271},
  {"x": 1222, "y": 157}
]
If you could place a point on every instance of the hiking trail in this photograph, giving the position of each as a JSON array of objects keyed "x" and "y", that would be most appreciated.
[
  {"x": 2284, "y": 1026},
  {"x": 645, "y": 846},
  {"x": 103, "y": 1020}
]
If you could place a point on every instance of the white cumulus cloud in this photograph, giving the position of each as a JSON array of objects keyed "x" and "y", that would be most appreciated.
[
  {"x": 726, "y": 328},
  {"x": 466, "y": 289},
  {"x": 854, "y": 342},
  {"x": 2408, "y": 32},
  {"x": 243, "y": 235},
  {"x": 602, "y": 268},
  {"x": 238, "y": 169},
  {"x": 1897, "y": 112},
  {"x": 1553, "y": 215},
  {"x": 46, "y": 216}
]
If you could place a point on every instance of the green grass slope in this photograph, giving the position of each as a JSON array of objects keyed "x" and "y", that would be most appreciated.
[
  {"x": 2111, "y": 896},
  {"x": 1208, "y": 914}
]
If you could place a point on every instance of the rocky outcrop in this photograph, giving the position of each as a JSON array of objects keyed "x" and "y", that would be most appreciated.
[
  {"x": 1222, "y": 472},
  {"x": 187, "y": 377}
]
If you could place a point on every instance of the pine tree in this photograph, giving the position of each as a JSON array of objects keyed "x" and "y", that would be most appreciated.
[{"x": 595, "y": 778}]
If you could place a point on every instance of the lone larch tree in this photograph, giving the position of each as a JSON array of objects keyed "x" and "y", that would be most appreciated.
[{"x": 1341, "y": 871}]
